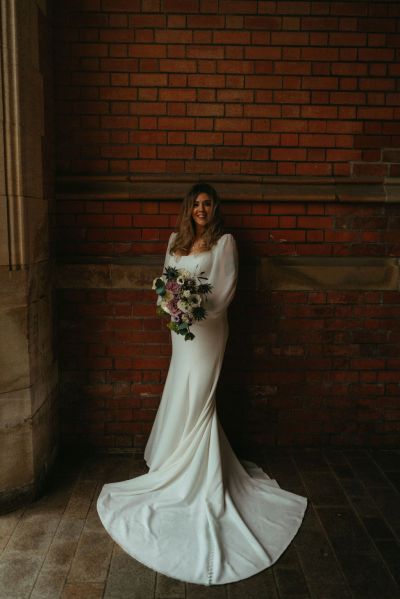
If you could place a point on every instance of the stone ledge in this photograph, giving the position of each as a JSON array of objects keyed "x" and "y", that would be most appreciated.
[
  {"x": 341, "y": 273},
  {"x": 278, "y": 273},
  {"x": 107, "y": 276},
  {"x": 232, "y": 188}
]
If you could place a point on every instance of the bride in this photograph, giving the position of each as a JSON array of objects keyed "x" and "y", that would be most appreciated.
[{"x": 200, "y": 515}]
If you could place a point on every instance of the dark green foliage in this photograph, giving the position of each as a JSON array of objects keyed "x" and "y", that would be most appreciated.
[{"x": 199, "y": 313}]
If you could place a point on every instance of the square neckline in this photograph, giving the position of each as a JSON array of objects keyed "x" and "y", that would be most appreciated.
[{"x": 199, "y": 253}]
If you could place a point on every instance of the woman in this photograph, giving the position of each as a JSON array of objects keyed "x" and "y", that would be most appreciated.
[{"x": 199, "y": 514}]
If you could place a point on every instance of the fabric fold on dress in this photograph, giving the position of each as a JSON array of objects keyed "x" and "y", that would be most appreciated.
[{"x": 199, "y": 514}]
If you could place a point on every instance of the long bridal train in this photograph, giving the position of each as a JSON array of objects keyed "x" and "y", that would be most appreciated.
[{"x": 199, "y": 514}]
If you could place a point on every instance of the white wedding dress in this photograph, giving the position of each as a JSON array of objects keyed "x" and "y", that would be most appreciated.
[{"x": 199, "y": 514}]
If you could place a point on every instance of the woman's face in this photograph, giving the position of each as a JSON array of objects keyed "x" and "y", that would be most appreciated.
[{"x": 202, "y": 211}]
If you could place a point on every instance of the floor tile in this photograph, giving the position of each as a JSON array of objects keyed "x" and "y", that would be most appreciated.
[
  {"x": 18, "y": 573},
  {"x": 321, "y": 569},
  {"x": 169, "y": 588},
  {"x": 92, "y": 558},
  {"x": 49, "y": 585},
  {"x": 129, "y": 579},
  {"x": 256, "y": 587},
  {"x": 83, "y": 590}
]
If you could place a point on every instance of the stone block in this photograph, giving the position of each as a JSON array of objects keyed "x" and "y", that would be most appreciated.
[
  {"x": 133, "y": 276},
  {"x": 83, "y": 276},
  {"x": 15, "y": 407},
  {"x": 303, "y": 273},
  {"x": 41, "y": 276},
  {"x": 44, "y": 384},
  {"x": 44, "y": 437},
  {"x": 16, "y": 456},
  {"x": 37, "y": 225},
  {"x": 392, "y": 189},
  {"x": 14, "y": 355},
  {"x": 4, "y": 241},
  {"x": 12, "y": 288}
]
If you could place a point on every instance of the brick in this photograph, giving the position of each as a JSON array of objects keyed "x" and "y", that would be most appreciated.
[
  {"x": 319, "y": 112},
  {"x": 178, "y": 66},
  {"x": 205, "y": 109},
  {"x": 264, "y": 82},
  {"x": 288, "y": 125},
  {"x": 378, "y": 84},
  {"x": 231, "y": 37},
  {"x": 138, "y": 21},
  {"x": 191, "y": 6},
  {"x": 206, "y": 80},
  {"x": 198, "y": 51},
  {"x": 262, "y": 110},
  {"x": 375, "y": 113},
  {"x": 260, "y": 139},
  {"x": 205, "y": 22},
  {"x": 376, "y": 54},
  {"x": 355, "y": 98},
  {"x": 289, "y": 38},
  {"x": 262, "y": 22},
  {"x": 347, "y": 39},
  {"x": 292, "y": 97},
  {"x": 260, "y": 221},
  {"x": 288, "y": 154},
  {"x": 173, "y": 36},
  {"x": 121, "y": 5},
  {"x": 314, "y": 222},
  {"x": 292, "y": 68},
  {"x": 150, "y": 80},
  {"x": 203, "y": 138},
  {"x": 238, "y": 6},
  {"x": 173, "y": 123},
  {"x": 319, "y": 54},
  {"x": 263, "y": 53},
  {"x": 234, "y": 153},
  {"x": 235, "y": 66},
  {"x": 232, "y": 124}
]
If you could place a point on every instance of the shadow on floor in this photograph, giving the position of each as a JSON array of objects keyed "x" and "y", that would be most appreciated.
[{"x": 348, "y": 546}]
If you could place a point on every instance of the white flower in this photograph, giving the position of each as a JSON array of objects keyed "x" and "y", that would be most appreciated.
[
  {"x": 156, "y": 281},
  {"x": 195, "y": 299},
  {"x": 164, "y": 306},
  {"x": 183, "y": 307},
  {"x": 186, "y": 293}
]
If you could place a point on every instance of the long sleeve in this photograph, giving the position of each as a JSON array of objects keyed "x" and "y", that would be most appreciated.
[
  {"x": 167, "y": 253},
  {"x": 166, "y": 261},
  {"x": 223, "y": 276}
]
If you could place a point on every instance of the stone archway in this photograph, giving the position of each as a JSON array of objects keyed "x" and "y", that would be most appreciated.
[{"x": 28, "y": 372}]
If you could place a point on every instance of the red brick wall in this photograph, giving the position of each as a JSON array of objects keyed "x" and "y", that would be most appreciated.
[
  {"x": 112, "y": 227},
  {"x": 285, "y": 88},
  {"x": 315, "y": 367},
  {"x": 231, "y": 88}
]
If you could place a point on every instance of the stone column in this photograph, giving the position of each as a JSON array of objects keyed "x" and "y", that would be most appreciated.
[{"x": 28, "y": 373}]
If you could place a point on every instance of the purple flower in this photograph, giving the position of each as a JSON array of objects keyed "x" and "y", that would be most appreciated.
[{"x": 173, "y": 286}]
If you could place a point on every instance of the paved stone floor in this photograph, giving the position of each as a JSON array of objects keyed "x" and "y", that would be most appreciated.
[{"x": 347, "y": 548}]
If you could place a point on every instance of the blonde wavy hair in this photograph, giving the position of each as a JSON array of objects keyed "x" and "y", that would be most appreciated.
[{"x": 186, "y": 230}]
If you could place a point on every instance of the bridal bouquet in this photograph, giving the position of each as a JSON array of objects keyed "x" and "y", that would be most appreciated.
[{"x": 180, "y": 296}]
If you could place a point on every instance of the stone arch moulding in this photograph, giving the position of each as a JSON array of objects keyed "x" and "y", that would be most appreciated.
[{"x": 12, "y": 205}]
